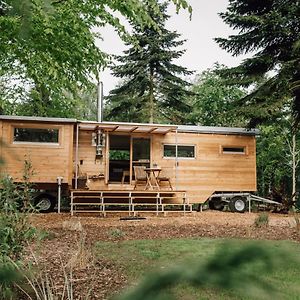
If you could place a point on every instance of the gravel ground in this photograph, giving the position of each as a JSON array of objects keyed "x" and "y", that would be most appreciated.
[{"x": 70, "y": 240}]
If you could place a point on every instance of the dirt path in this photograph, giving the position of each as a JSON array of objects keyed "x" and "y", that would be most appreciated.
[{"x": 70, "y": 240}]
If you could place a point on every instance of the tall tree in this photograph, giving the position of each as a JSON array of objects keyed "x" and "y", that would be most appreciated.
[
  {"x": 48, "y": 46},
  {"x": 213, "y": 101},
  {"x": 270, "y": 29},
  {"x": 152, "y": 89}
]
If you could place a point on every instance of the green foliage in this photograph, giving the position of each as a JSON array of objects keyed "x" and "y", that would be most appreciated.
[
  {"x": 270, "y": 30},
  {"x": 119, "y": 155},
  {"x": 15, "y": 233},
  {"x": 152, "y": 89},
  {"x": 277, "y": 155},
  {"x": 116, "y": 233},
  {"x": 262, "y": 220},
  {"x": 206, "y": 268},
  {"x": 49, "y": 47},
  {"x": 213, "y": 102},
  {"x": 272, "y": 166},
  {"x": 15, "y": 230}
]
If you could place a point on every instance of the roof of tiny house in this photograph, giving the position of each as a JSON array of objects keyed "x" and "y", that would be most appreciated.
[
  {"x": 37, "y": 119},
  {"x": 137, "y": 127}
]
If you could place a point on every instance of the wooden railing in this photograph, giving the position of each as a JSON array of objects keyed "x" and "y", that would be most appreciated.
[{"x": 131, "y": 201}]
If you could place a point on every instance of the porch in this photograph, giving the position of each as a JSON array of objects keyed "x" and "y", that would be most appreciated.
[
  {"x": 106, "y": 155},
  {"x": 132, "y": 202}
]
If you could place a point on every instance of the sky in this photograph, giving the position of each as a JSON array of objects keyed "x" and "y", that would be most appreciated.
[{"x": 201, "y": 50}]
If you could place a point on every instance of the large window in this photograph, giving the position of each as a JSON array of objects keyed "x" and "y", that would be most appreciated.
[
  {"x": 36, "y": 135},
  {"x": 233, "y": 150},
  {"x": 183, "y": 151}
]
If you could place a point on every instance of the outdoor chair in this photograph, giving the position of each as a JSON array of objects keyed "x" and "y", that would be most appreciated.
[
  {"x": 126, "y": 173},
  {"x": 162, "y": 178},
  {"x": 140, "y": 176}
]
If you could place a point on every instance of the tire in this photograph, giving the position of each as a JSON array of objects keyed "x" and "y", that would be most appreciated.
[
  {"x": 44, "y": 203},
  {"x": 216, "y": 204},
  {"x": 238, "y": 204}
]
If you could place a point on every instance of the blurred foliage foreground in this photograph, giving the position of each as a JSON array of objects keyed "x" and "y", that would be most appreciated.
[{"x": 234, "y": 269}]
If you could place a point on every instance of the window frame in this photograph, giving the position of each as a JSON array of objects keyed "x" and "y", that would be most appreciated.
[
  {"x": 37, "y": 144},
  {"x": 179, "y": 157},
  {"x": 245, "y": 152}
]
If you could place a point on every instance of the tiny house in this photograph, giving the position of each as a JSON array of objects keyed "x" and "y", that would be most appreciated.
[{"x": 102, "y": 156}]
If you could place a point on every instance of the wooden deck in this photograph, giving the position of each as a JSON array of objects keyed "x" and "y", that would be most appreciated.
[{"x": 132, "y": 202}]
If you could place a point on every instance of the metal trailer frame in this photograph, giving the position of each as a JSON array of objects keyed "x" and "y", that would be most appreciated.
[{"x": 226, "y": 197}]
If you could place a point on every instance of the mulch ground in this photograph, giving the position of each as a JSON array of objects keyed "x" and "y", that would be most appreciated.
[{"x": 70, "y": 240}]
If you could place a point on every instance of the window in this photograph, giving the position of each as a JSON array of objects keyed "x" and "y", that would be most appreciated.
[
  {"x": 233, "y": 150},
  {"x": 182, "y": 151},
  {"x": 36, "y": 135}
]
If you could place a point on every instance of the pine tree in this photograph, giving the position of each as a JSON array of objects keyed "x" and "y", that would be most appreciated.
[
  {"x": 152, "y": 88},
  {"x": 270, "y": 29}
]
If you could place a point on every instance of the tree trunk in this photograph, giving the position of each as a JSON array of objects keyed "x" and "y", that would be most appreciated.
[
  {"x": 294, "y": 166},
  {"x": 151, "y": 96}
]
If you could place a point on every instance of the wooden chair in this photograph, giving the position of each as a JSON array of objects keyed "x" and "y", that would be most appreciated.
[
  {"x": 140, "y": 175},
  {"x": 162, "y": 178},
  {"x": 126, "y": 173}
]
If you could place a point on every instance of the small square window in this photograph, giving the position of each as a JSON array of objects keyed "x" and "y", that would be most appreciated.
[{"x": 182, "y": 151}]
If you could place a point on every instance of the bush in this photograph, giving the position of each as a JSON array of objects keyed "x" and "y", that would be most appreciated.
[
  {"x": 262, "y": 220},
  {"x": 15, "y": 228}
]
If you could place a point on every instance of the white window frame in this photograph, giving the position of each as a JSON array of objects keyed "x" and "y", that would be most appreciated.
[
  {"x": 30, "y": 126},
  {"x": 178, "y": 145}
]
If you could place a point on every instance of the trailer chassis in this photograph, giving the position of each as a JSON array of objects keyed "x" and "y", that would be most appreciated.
[{"x": 236, "y": 201}]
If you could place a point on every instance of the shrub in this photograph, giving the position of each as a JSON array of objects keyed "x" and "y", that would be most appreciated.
[
  {"x": 262, "y": 220},
  {"x": 116, "y": 233},
  {"x": 15, "y": 228}
]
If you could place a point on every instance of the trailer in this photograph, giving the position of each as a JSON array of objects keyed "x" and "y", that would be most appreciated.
[
  {"x": 236, "y": 202},
  {"x": 69, "y": 154}
]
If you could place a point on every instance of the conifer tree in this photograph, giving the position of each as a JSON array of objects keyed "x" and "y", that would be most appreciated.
[
  {"x": 270, "y": 29},
  {"x": 152, "y": 88}
]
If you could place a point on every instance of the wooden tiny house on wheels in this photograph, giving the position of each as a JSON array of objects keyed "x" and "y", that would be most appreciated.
[{"x": 97, "y": 162}]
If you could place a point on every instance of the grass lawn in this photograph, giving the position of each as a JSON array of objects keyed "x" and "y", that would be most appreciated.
[{"x": 137, "y": 258}]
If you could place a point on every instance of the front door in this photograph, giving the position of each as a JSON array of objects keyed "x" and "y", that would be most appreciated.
[
  {"x": 140, "y": 153},
  {"x": 119, "y": 158}
]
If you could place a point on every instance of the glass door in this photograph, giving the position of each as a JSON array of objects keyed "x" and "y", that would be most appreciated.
[{"x": 140, "y": 153}]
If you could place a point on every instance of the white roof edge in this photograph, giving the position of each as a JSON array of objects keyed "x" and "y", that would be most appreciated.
[
  {"x": 180, "y": 128},
  {"x": 129, "y": 124},
  {"x": 37, "y": 119},
  {"x": 217, "y": 130}
]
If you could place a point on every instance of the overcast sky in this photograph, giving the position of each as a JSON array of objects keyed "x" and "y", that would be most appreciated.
[{"x": 201, "y": 50}]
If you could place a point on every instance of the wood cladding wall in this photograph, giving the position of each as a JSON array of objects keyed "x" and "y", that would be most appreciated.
[
  {"x": 88, "y": 165},
  {"x": 48, "y": 161},
  {"x": 211, "y": 170}
]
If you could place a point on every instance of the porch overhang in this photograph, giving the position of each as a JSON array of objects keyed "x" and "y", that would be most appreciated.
[{"x": 128, "y": 127}]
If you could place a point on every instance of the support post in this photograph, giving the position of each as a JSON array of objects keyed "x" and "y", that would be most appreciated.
[
  {"x": 76, "y": 157},
  {"x": 176, "y": 159},
  {"x": 249, "y": 201},
  {"x": 72, "y": 195},
  {"x": 59, "y": 182}
]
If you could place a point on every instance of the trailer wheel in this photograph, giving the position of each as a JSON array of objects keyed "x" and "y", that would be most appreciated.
[
  {"x": 44, "y": 203},
  {"x": 216, "y": 204},
  {"x": 237, "y": 204}
]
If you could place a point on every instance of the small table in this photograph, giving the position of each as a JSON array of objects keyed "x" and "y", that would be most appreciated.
[{"x": 152, "y": 175}]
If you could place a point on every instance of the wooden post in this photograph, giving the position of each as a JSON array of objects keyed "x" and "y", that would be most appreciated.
[
  {"x": 176, "y": 159},
  {"x": 72, "y": 203},
  {"x": 59, "y": 181},
  {"x": 76, "y": 157}
]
